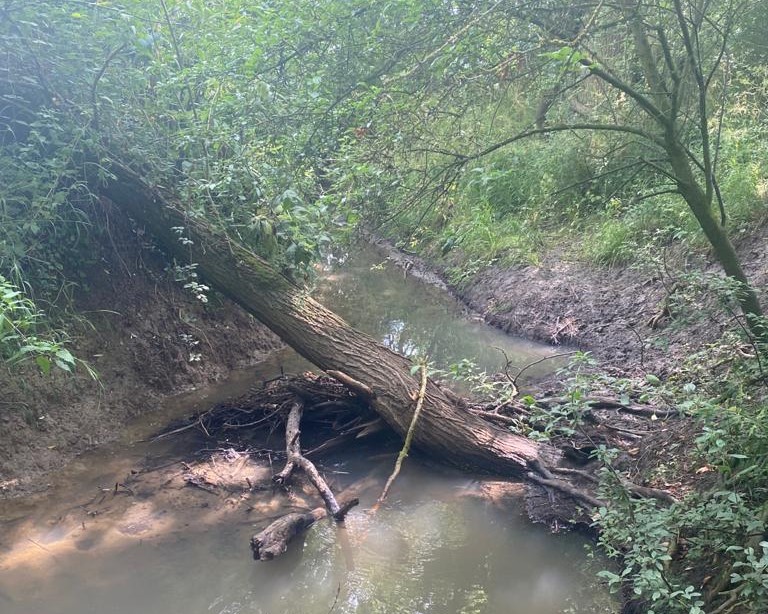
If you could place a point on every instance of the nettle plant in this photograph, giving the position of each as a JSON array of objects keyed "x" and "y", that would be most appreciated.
[{"x": 23, "y": 336}]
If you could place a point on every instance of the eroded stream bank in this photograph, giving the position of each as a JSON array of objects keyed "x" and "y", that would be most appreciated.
[
  {"x": 164, "y": 526},
  {"x": 646, "y": 317}
]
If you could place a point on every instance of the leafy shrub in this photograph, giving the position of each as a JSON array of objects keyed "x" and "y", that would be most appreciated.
[
  {"x": 20, "y": 337},
  {"x": 613, "y": 243}
]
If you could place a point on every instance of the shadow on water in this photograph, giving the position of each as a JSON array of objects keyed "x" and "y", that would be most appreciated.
[{"x": 123, "y": 530}]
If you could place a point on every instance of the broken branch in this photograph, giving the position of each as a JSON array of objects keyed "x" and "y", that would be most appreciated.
[{"x": 408, "y": 438}]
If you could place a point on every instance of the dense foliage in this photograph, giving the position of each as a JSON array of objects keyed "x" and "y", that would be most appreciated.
[
  {"x": 475, "y": 132},
  {"x": 285, "y": 120}
]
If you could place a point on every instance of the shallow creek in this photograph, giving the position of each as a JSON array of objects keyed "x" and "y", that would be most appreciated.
[{"x": 123, "y": 531}]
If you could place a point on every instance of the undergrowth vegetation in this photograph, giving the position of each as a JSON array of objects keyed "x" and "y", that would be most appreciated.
[
  {"x": 704, "y": 549},
  {"x": 707, "y": 550},
  {"x": 26, "y": 335},
  {"x": 541, "y": 192}
]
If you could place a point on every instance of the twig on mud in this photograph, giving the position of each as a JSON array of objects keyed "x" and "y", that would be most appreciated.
[
  {"x": 408, "y": 439},
  {"x": 202, "y": 426},
  {"x": 336, "y": 599},
  {"x": 641, "y": 341},
  {"x": 644, "y": 492},
  {"x": 230, "y": 425},
  {"x": 508, "y": 364},
  {"x": 181, "y": 429},
  {"x": 750, "y": 339},
  {"x": 43, "y": 548}
]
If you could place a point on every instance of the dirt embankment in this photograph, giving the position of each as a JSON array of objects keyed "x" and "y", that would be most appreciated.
[
  {"x": 645, "y": 319},
  {"x": 146, "y": 337}
]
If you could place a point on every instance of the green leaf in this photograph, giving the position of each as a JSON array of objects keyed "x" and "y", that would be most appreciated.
[
  {"x": 65, "y": 355},
  {"x": 44, "y": 363},
  {"x": 62, "y": 365},
  {"x": 652, "y": 380}
]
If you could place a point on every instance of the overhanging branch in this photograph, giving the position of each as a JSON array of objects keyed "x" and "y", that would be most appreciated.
[{"x": 463, "y": 158}]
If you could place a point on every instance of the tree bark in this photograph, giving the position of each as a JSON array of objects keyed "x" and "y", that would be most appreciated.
[
  {"x": 444, "y": 431},
  {"x": 726, "y": 255}
]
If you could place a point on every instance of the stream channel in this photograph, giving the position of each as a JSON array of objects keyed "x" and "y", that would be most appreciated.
[{"x": 445, "y": 542}]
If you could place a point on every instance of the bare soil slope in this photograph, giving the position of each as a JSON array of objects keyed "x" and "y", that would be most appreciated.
[{"x": 146, "y": 336}]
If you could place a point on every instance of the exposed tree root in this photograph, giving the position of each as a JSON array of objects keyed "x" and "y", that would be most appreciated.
[
  {"x": 607, "y": 403},
  {"x": 568, "y": 489}
]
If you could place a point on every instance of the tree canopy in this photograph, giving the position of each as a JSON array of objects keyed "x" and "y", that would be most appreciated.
[{"x": 248, "y": 136}]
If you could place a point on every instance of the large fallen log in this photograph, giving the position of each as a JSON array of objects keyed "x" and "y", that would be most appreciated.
[{"x": 445, "y": 431}]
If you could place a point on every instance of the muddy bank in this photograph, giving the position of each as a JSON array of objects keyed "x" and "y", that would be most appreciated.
[
  {"x": 631, "y": 318},
  {"x": 147, "y": 338},
  {"x": 635, "y": 319}
]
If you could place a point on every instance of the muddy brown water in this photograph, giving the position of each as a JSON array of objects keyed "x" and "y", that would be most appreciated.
[{"x": 122, "y": 530}]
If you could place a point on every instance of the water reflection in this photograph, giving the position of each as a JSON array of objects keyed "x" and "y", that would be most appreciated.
[
  {"x": 428, "y": 552},
  {"x": 417, "y": 319}
]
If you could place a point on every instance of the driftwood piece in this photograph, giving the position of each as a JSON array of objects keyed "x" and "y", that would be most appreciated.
[{"x": 273, "y": 540}]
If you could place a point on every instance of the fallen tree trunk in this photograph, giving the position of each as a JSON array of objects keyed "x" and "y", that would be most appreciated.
[{"x": 445, "y": 430}]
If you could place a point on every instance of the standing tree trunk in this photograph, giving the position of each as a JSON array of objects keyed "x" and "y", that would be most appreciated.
[
  {"x": 726, "y": 255},
  {"x": 444, "y": 431}
]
